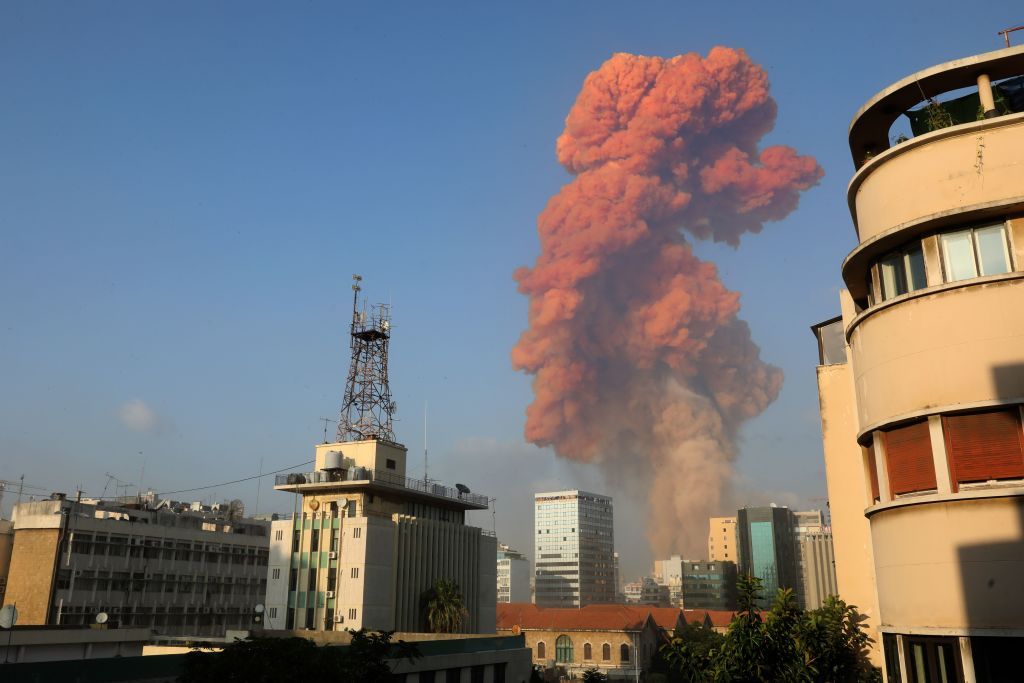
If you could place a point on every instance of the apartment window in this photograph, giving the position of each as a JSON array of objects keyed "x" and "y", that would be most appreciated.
[
  {"x": 355, "y": 572},
  {"x": 352, "y": 613},
  {"x": 975, "y": 251},
  {"x": 932, "y": 659},
  {"x": 357, "y": 532},
  {"x": 314, "y": 540},
  {"x": 908, "y": 455},
  {"x": 984, "y": 446},
  {"x": 902, "y": 272},
  {"x": 275, "y": 574},
  {"x": 279, "y": 535}
]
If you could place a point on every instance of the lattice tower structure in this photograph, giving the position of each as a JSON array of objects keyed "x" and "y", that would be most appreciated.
[{"x": 368, "y": 410}]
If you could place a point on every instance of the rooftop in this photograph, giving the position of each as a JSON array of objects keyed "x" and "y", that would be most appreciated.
[{"x": 357, "y": 478}]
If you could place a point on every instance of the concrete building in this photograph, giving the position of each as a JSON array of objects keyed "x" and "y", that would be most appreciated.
[
  {"x": 647, "y": 591},
  {"x": 709, "y": 585},
  {"x": 6, "y": 548},
  {"x": 618, "y": 640},
  {"x": 163, "y": 566},
  {"x": 767, "y": 550},
  {"x": 921, "y": 378},
  {"x": 52, "y": 643},
  {"x": 513, "y": 575},
  {"x": 723, "y": 545},
  {"x": 575, "y": 557},
  {"x": 816, "y": 562},
  {"x": 669, "y": 573},
  {"x": 366, "y": 544}
]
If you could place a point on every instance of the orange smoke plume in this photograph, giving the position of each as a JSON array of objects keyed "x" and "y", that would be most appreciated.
[{"x": 639, "y": 360}]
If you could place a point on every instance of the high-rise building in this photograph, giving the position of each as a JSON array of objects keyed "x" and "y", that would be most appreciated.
[
  {"x": 767, "y": 550},
  {"x": 366, "y": 544},
  {"x": 723, "y": 545},
  {"x": 575, "y": 558},
  {"x": 179, "y": 569},
  {"x": 709, "y": 585},
  {"x": 815, "y": 559},
  {"x": 513, "y": 575},
  {"x": 921, "y": 378},
  {"x": 669, "y": 573}
]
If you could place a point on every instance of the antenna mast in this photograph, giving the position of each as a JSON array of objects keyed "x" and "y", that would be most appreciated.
[{"x": 367, "y": 410}]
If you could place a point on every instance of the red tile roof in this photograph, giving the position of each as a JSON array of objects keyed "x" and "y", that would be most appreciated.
[
  {"x": 719, "y": 618},
  {"x": 590, "y": 618}
]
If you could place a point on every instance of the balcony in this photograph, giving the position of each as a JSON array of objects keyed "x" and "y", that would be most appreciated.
[{"x": 360, "y": 477}]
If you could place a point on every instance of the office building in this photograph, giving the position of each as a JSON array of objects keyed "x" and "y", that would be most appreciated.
[
  {"x": 176, "y": 568},
  {"x": 767, "y": 550},
  {"x": 647, "y": 591},
  {"x": 575, "y": 558},
  {"x": 709, "y": 585},
  {"x": 513, "y": 575},
  {"x": 921, "y": 377},
  {"x": 723, "y": 545},
  {"x": 816, "y": 564},
  {"x": 669, "y": 573}
]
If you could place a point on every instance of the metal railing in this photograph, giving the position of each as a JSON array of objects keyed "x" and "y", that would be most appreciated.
[{"x": 379, "y": 477}]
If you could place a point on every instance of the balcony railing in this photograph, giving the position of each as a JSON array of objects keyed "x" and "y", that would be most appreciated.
[{"x": 385, "y": 478}]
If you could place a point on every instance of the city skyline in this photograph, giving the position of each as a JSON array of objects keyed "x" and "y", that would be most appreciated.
[{"x": 180, "y": 326}]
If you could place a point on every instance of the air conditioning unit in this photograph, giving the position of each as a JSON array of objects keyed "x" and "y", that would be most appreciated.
[
  {"x": 339, "y": 619},
  {"x": 332, "y": 555},
  {"x": 330, "y": 594}
]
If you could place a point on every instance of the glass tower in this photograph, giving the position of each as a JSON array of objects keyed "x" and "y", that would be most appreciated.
[{"x": 574, "y": 549}]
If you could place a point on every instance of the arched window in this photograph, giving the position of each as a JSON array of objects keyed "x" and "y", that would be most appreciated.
[
  {"x": 606, "y": 652},
  {"x": 587, "y": 653},
  {"x": 563, "y": 650},
  {"x": 624, "y": 653},
  {"x": 540, "y": 650}
]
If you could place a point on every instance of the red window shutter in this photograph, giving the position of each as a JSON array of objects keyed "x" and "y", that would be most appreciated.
[
  {"x": 873, "y": 470},
  {"x": 983, "y": 446},
  {"x": 908, "y": 455}
]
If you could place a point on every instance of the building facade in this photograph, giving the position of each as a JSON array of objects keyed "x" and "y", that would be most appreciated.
[
  {"x": 767, "y": 550},
  {"x": 921, "y": 378},
  {"x": 513, "y": 575},
  {"x": 669, "y": 573},
  {"x": 574, "y": 561},
  {"x": 816, "y": 562},
  {"x": 366, "y": 545},
  {"x": 723, "y": 545},
  {"x": 647, "y": 591},
  {"x": 709, "y": 585},
  {"x": 169, "y": 567},
  {"x": 6, "y": 548}
]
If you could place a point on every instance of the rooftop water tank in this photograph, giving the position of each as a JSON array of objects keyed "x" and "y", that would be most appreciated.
[{"x": 332, "y": 461}]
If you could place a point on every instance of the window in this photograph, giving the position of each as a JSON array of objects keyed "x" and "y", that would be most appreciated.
[
  {"x": 606, "y": 652},
  {"x": 275, "y": 574},
  {"x": 908, "y": 455},
  {"x": 587, "y": 652},
  {"x": 932, "y": 660},
  {"x": 540, "y": 650},
  {"x": 352, "y": 613},
  {"x": 984, "y": 446},
  {"x": 357, "y": 532},
  {"x": 390, "y": 464},
  {"x": 272, "y": 612},
  {"x": 624, "y": 653},
  {"x": 975, "y": 251},
  {"x": 902, "y": 272},
  {"x": 563, "y": 649},
  {"x": 355, "y": 572},
  {"x": 279, "y": 535},
  {"x": 314, "y": 540}
]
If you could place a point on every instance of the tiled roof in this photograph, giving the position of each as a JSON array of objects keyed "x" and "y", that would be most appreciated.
[
  {"x": 590, "y": 618},
  {"x": 719, "y": 618}
]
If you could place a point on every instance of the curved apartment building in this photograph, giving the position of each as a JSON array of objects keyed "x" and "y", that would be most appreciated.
[{"x": 921, "y": 379}]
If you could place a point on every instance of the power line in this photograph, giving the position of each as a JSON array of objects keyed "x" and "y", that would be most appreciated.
[{"x": 237, "y": 481}]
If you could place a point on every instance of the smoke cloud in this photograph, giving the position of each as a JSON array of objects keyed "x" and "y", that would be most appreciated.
[{"x": 640, "y": 362}]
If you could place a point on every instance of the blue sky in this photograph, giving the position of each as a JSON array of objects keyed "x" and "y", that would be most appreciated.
[{"x": 186, "y": 189}]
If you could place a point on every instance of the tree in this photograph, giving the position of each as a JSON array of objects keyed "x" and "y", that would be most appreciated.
[
  {"x": 446, "y": 611},
  {"x": 594, "y": 675}
]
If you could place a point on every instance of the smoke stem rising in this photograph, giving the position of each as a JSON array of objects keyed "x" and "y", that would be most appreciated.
[{"x": 639, "y": 360}]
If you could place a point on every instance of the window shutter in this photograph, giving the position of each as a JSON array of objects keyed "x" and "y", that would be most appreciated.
[
  {"x": 908, "y": 454},
  {"x": 983, "y": 446},
  {"x": 873, "y": 471}
]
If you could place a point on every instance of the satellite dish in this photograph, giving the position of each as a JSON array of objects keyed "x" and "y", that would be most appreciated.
[
  {"x": 258, "y": 609},
  {"x": 8, "y": 616},
  {"x": 101, "y": 618},
  {"x": 462, "y": 488}
]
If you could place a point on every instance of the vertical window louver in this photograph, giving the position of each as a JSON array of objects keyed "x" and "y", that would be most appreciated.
[
  {"x": 984, "y": 446},
  {"x": 869, "y": 454},
  {"x": 908, "y": 456}
]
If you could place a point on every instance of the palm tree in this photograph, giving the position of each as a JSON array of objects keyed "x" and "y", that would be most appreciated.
[{"x": 446, "y": 611}]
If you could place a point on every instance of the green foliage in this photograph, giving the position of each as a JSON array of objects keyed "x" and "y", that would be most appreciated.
[
  {"x": 593, "y": 675},
  {"x": 825, "y": 645},
  {"x": 297, "y": 660},
  {"x": 446, "y": 611}
]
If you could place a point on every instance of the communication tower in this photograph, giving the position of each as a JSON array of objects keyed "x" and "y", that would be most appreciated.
[{"x": 367, "y": 410}]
